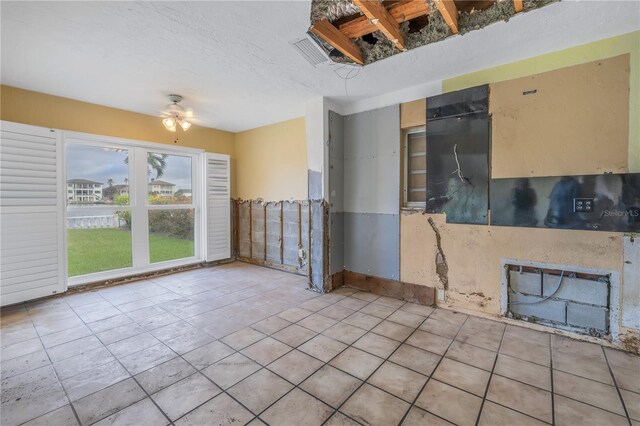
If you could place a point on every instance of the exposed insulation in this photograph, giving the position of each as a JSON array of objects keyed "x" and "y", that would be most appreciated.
[
  {"x": 383, "y": 48},
  {"x": 476, "y": 19},
  {"x": 435, "y": 30},
  {"x": 332, "y": 9}
]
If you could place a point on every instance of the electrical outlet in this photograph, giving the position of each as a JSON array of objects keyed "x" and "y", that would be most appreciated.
[
  {"x": 302, "y": 254},
  {"x": 440, "y": 295},
  {"x": 583, "y": 205}
]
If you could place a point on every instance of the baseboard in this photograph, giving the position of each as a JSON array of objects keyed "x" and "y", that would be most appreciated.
[{"x": 385, "y": 287}]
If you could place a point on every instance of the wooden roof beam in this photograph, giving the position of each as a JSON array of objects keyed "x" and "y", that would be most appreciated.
[
  {"x": 449, "y": 12},
  {"x": 402, "y": 11},
  {"x": 325, "y": 30},
  {"x": 378, "y": 15},
  {"x": 518, "y": 6}
]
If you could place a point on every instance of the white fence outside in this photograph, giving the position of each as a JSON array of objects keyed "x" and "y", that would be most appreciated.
[{"x": 93, "y": 222}]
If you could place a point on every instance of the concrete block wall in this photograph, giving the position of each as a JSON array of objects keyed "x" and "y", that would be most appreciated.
[{"x": 577, "y": 304}]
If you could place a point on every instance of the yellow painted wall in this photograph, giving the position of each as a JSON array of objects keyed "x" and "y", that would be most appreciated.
[
  {"x": 39, "y": 109},
  {"x": 272, "y": 162},
  {"x": 625, "y": 44},
  {"x": 269, "y": 162},
  {"x": 575, "y": 123},
  {"x": 474, "y": 252}
]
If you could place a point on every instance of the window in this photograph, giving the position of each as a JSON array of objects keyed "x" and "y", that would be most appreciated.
[
  {"x": 131, "y": 207},
  {"x": 171, "y": 211},
  {"x": 98, "y": 220},
  {"x": 415, "y": 167}
]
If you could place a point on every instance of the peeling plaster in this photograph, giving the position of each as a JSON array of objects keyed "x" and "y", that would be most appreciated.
[{"x": 442, "y": 268}]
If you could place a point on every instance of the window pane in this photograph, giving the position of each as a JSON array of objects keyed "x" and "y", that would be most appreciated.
[
  {"x": 169, "y": 178},
  {"x": 97, "y": 176},
  {"x": 98, "y": 239},
  {"x": 98, "y": 236},
  {"x": 417, "y": 143},
  {"x": 171, "y": 234},
  {"x": 416, "y": 166}
]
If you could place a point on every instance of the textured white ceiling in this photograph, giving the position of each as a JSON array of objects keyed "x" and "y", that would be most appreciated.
[{"x": 233, "y": 63}]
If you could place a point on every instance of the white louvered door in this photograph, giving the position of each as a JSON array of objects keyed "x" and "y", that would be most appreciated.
[
  {"x": 32, "y": 258},
  {"x": 218, "y": 205}
]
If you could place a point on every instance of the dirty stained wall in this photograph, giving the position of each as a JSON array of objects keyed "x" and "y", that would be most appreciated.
[{"x": 473, "y": 253}]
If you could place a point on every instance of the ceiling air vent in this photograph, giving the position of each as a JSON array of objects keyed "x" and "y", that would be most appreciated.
[{"x": 311, "y": 50}]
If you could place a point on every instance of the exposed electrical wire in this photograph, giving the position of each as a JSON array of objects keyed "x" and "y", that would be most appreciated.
[
  {"x": 543, "y": 299},
  {"x": 352, "y": 72},
  {"x": 455, "y": 154}
]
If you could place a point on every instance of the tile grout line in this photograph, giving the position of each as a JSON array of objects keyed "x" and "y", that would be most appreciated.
[
  {"x": 324, "y": 363},
  {"x": 615, "y": 382},
  {"x": 413, "y": 404},
  {"x": 130, "y": 376},
  {"x": 382, "y": 363},
  {"x": 382, "y": 319},
  {"x": 335, "y": 410},
  {"x": 495, "y": 362},
  {"x": 262, "y": 367},
  {"x": 73, "y": 409}
]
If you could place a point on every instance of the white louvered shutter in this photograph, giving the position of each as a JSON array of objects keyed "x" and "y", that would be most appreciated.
[
  {"x": 32, "y": 261},
  {"x": 218, "y": 207}
]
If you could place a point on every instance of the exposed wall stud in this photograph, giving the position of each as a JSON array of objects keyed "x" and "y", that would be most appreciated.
[
  {"x": 250, "y": 228},
  {"x": 281, "y": 232}
]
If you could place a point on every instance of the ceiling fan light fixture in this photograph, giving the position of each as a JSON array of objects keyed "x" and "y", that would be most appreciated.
[
  {"x": 169, "y": 124},
  {"x": 177, "y": 115}
]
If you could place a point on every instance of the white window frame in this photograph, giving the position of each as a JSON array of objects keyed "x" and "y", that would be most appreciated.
[
  {"x": 405, "y": 170},
  {"x": 138, "y": 184}
]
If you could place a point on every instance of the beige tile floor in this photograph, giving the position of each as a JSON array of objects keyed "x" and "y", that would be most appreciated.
[{"x": 239, "y": 344}]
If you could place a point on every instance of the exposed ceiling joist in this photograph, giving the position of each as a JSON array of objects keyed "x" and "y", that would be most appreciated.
[
  {"x": 401, "y": 12},
  {"x": 325, "y": 30},
  {"x": 449, "y": 12},
  {"x": 518, "y": 6},
  {"x": 380, "y": 17}
]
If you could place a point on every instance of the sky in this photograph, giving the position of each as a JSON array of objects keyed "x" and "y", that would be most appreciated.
[{"x": 101, "y": 164}]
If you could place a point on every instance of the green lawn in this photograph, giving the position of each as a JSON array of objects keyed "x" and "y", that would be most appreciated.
[{"x": 95, "y": 250}]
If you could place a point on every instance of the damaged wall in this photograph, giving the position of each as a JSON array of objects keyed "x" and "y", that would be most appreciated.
[
  {"x": 272, "y": 233},
  {"x": 472, "y": 254}
]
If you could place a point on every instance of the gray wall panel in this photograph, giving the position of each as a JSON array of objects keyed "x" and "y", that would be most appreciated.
[
  {"x": 372, "y": 161},
  {"x": 336, "y": 230},
  {"x": 336, "y": 161},
  {"x": 372, "y": 244}
]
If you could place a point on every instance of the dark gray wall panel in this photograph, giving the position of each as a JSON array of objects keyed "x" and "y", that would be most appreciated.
[{"x": 372, "y": 244}]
